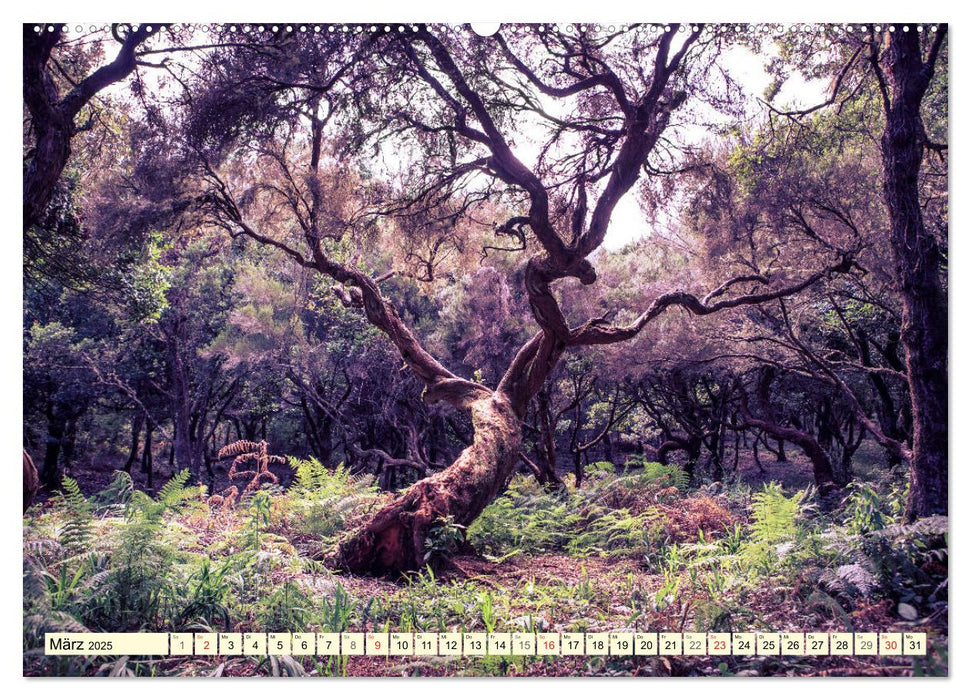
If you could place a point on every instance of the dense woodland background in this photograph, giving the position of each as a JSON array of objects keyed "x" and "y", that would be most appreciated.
[{"x": 308, "y": 305}]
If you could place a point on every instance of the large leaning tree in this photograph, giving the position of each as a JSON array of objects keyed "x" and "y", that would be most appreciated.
[{"x": 554, "y": 127}]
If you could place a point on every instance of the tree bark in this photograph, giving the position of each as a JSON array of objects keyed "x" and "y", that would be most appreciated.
[
  {"x": 185, "y": 450},
  {"x": 547, "y": 449},
  {"x": 691, "y": 445},
  {"x": 50, "y": 472},
  {"x": 147, "y": 466},
  {"x": 822, "y": 464},
  {"x": 394, "y": 539},
  {"x": 918, "y": 268},
  {"x": 31, "y": 481}
]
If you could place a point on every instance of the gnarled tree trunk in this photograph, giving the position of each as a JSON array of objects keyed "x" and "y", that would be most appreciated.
[
  {"x": 822, "y": 465},
  {"x": 394, "y": 539},
  {"x": 823, "y": 474},
  {"x": 53, "y": 115}
]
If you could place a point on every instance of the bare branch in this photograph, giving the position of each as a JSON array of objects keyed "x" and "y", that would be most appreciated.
[{"x": 598, "y": 333}]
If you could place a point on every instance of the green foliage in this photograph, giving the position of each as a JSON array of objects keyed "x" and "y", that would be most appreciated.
[
  {"x": 336, "y": 611},
  {"x": 444, "y": 539},
  {"x": 598, "y": 470},
  {"x": 910, "y": 563},
  {"x": 321, "y": 500},
  {"x": 205, "y": 595},
  {"x": 138, "y": 583},
  {"x": 139, "y": 568},
  {"x": 76, "y": 532},
  {"x": 774, "y": 514},
  {"x": 661, "y": 475},
  {"x": 614, "y": 532},
  {"x": 118, "y": 495},
  {"x": 286, "y": 608},
  {"x": 259, "y": 520},
  {"x": 529, "y": 519},
  {"x": 123, "y": 572},
  {"x": 173, "y": 497},
  {"x": 148, "y": 281},
  {"x": 865, "y": 510}
]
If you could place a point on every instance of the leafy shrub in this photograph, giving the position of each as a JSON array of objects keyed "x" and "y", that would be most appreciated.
[
  {"x": 444, "y": 539},
  {"x": 865, "y": 510}
]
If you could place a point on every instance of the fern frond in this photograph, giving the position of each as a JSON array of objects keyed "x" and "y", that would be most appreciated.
[
  {"x": 175, "y": 492},
  {"x": 237, "y": 448},
  {"x": 76, "y": 533},
  {"x": 933, "y": 525},
  {"x": 43, "y": 546},
  {"x": 118, "y": 493},
  {"x": 774, "y": 515},
  {"x": 849, "y": 581}
]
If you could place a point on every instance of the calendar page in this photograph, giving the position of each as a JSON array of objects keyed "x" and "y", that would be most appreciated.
[{"x": 437, "y": 349}]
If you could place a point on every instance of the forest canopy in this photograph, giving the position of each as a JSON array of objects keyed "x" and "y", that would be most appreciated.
[{"x": 442, "y": 260}]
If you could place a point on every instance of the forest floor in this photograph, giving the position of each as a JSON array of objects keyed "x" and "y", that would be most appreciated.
[{"x": 626, "y": 552}]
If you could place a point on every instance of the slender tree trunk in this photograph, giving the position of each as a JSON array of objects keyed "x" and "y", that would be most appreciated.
[
  {"x": 886, "y": 409},
  {"x": 136, "y": 429},
  {"x": 147, "y": 455},
  {"x": 547, "y": 451},
  {"x": 738, "y": 441},
  {"x": 918, "y": 264},
  {"x": 50, "y": 472},
  {"x": 755, "y": 455},
  {"x": 70, "y": 441},
  {"x": 185, "y": 454}
]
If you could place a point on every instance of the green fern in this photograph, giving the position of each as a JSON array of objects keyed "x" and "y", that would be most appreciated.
[
  {"x": 172, "y": 497},
  {"x": 118, "y": 494},
  {"x": 774, "y": 515},
  {"x": 662, "y": 475},
  {"x": 320, "y": 500},
  {"x": 312, "y": 475},
  {"x": 175, "y": 494},
  {"x": 76, "y": 533}
]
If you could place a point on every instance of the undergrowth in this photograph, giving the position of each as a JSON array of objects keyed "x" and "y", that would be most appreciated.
[{"x": 634, "y": 549}]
